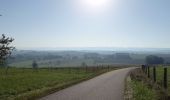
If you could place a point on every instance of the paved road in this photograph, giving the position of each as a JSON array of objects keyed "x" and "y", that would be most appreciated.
[{"x": 109, "y": 86}]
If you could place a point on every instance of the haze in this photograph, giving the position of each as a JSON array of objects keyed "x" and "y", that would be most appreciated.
[{"x": 91, "y": 23}]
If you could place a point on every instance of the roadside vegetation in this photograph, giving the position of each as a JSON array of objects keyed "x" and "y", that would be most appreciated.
[
  {"x": 24, "y": 84},
  {"x": 160, "y": 77},
  {"x": 142, "y": 92},
  {"x": 140, "y": 87},
  {"x": 151, "y": 82}
]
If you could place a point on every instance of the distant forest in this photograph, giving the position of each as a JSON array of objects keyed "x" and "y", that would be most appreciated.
[{"x": 24, "y": 58}]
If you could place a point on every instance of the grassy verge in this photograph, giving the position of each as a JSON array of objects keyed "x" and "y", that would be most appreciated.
[
  {"x": 142, "y": 92},
  {"x": 26, "y": 84},
  {"x": 160, "y": 77},
  {"x": 140, "y": 87}
]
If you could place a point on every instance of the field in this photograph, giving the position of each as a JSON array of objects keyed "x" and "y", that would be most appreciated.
[
  {"x": 52, "y": 63},
  {"x": 142, "y": 92},
  {"x": 138, "y": 88},
  {"x": 74, "y": 58},
  {"x": 23, "y": 84},
  {"x": 160, "y": 76}
]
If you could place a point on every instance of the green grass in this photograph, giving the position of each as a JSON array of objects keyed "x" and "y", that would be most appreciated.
[
  {"x": 160, "y": 76},
  {"x": 45, "y": 63},
  {"x": 24, "y": 84},
  {"x": 142, "y": 92},
  {"x": 141, "y": 88}
]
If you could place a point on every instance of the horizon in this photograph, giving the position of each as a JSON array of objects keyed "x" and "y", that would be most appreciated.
[{"x": 117, "y": 49}]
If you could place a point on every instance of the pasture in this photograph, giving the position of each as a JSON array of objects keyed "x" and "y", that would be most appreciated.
[
  {"x": 25, "y": 83},
  {"x": 160, "y": 76}
]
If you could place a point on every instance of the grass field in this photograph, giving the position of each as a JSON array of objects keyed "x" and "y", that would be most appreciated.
[
  {"x": 53, "y": 63},
  {"x": 140, "y": 89},
  {"x": 160, "y": 76},
  {"x": 142, "y": 92},
  {"x": 24, "y": 84}
]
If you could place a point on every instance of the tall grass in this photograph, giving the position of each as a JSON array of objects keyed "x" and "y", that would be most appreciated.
[
  {"x": 142, "y": 87},
  {"x": 142, "y": 92},
  {"x": 160, "y": 76}
]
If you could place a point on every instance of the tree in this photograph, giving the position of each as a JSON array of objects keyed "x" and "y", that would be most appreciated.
[
  {"x": 35, "y": 65},
  {"x": 151, "y": 59},
  {"x": 5, "y": 48},
  {"x": 83, "y": 64}
]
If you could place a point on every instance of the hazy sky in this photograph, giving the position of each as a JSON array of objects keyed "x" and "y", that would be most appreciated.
[{"x": 86, "y": 23}]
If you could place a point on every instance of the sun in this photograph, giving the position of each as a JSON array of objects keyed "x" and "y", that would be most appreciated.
[
  {"x": 96, "y": 3},
  {"x": 93, "y": 7}
]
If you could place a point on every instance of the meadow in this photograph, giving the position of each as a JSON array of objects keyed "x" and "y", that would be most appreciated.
[
  {"x": 160, "y": 76},
  {"x": 28, "y": 84},
  {"x": 138, "y": 87},
  {"x": 142, "y": 92}
]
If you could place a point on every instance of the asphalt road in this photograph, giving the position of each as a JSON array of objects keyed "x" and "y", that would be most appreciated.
[{"x": 108, "y": 86}]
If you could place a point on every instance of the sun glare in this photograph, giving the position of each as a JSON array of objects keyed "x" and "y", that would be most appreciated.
[{"x": 94, "y": 5}]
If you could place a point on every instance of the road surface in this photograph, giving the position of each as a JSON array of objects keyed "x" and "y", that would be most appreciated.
[{"x": 108, "y": 86}]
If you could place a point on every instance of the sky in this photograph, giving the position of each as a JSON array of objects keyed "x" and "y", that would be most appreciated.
[{"x": 86, "y": 23}]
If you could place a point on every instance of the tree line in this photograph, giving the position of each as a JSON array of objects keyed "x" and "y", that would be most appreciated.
[
  {"x": 152, "y": 59},
  {"x": 6, "y": 50}
]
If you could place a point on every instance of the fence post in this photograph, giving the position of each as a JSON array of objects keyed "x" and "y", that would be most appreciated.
[
  {"x": 165, "y": 77},
  {"x": 154, "y": 74},
  {"x": 143, "y": 68},
  {"x": 86, "y": 68},
  {"x": 146, "y": 69},
  {"x": 148, "y": 72}
]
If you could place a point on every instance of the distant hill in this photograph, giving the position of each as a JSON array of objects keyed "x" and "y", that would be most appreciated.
[{"x": 24, "y": 58}]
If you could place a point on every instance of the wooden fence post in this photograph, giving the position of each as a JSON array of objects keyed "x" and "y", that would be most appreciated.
[
  {"x": 165, "y": 77},
  {"x": 86, "y": 68},
  {"x": 148, "y": 72},
  {"x": 154, "y": 74},
  {"x": 143, "y": 68},
  {"x": 146, "y": 69}
]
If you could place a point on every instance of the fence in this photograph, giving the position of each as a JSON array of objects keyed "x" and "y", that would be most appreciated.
[
  {"x": 151, "y": 72},
  {"x": 158, "y": 74}
]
